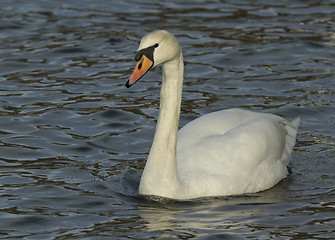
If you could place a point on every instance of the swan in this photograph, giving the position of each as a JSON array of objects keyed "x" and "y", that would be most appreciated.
[{"x": 227, "y": 152}]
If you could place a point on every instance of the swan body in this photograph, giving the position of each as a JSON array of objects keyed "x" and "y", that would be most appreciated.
[{"x": 226, "y": 152}]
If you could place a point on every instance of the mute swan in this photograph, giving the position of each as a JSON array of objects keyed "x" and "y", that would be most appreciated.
[{"x": 227, "y": 152}]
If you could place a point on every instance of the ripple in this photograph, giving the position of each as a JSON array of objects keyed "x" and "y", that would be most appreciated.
[{"x": 74, "y": 140}]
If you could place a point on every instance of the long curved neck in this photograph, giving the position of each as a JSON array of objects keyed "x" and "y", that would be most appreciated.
[{"x": 160, "y": 175}]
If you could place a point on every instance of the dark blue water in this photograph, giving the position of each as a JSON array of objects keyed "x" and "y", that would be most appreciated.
[{"x": 74, "y": 140}]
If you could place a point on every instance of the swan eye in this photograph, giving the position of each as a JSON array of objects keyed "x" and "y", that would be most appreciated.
[{"x": 148, "y": 52}]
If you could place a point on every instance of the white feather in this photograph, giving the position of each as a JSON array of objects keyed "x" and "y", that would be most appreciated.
[{"x": 227, "y": 152}]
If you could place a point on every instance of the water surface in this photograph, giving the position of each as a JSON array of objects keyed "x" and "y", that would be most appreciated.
[{"x": 74, "y": 140}]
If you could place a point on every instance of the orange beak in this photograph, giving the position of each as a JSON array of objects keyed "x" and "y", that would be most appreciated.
[{"x": 142, "y": 67}]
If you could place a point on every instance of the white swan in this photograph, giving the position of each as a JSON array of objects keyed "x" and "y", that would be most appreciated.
[{"x": 222, "y": 153}]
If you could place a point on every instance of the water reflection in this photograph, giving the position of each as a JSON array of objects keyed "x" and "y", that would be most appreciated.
[{"x": 228, "y": 214}]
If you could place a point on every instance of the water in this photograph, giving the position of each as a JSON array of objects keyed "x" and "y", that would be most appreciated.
[{"x": 74, "y": 140}]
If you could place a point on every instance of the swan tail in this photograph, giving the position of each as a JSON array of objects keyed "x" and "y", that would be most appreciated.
[{"x": 291, "y": 129}]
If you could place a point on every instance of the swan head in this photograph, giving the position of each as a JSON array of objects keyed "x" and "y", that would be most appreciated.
[{"x": 155, "y": 48}]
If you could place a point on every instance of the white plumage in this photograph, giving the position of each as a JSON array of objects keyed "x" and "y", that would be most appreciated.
[{"x": 226, "y": 152}]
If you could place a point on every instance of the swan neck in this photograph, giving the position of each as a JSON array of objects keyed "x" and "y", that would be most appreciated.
[{"x": 160, "y": 176}]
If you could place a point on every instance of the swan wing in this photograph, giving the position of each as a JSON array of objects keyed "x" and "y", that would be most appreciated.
[{"x": 233, "y": 151}]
